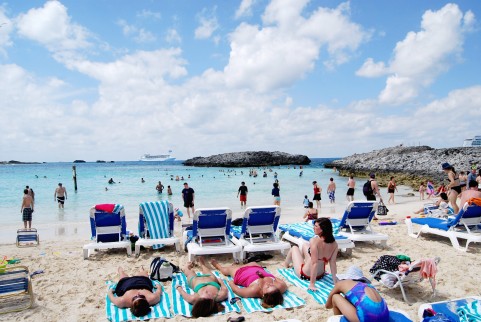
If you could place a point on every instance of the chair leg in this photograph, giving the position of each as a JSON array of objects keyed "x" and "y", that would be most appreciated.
[
  {"x": 455, "y": 242},
  {"x": 137, "y": 250},
  {"x": 86, "y": 253},
  {"x": 404, "y": 293}
]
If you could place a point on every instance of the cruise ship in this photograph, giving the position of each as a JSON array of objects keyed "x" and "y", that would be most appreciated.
[
  {"x": 157, "y": 158},
  {"x": 473, "y": 143}
]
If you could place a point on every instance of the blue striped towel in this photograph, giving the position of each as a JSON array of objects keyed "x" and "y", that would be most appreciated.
[
  {"x": 470, "y": 312},
  {"x": 182, "y": 307},
  {"x": 157, "y": 217},
  {"x": 306, "y": 229},
  {"x": 324, "y": 285},
  {"x": 160, "y": 310},
  {"x": 255, "y": 304}
]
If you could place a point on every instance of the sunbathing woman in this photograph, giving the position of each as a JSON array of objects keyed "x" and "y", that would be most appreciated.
[
  {"x": 441, "y": 204},
  {"x": 311, "y": 212},
  {"x": 256, "y": 282},
  {"x": 310, "y": 264},
  {"x": 135, "y": 292},
  {"x": 208, "y": 291},
  {"x": 361, "y": 302}
]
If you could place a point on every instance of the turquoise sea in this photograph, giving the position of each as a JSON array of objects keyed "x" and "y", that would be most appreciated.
[{"x": 214, "y": 187}]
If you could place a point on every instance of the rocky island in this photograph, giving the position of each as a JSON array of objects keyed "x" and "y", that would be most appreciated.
[
  {"x": 409, "y": 165},
  {"x": 248, "y": 159}
]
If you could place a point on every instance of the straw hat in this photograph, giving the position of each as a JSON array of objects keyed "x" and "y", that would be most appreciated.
[{"x": 353, "y": 273}]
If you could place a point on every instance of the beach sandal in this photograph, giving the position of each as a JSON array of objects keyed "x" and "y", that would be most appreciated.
[
  {"x": 238, "y": 319},
  {"x": 40, "y": 271}
]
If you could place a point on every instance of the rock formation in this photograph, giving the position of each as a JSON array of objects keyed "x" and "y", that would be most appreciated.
[
  {"x": 409, "y": 165},
  {"x": 248, "y": 159}
]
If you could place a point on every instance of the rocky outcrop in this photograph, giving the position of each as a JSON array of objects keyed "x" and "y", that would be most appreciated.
[
  {"x": 248, "y": 159},
  {"x": 410, "y": 165}
]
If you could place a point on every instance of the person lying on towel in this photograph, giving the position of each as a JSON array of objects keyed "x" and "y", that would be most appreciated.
[
  {"x": 208, "y": 291},
  {"x": 361, "y": 301},
  {"x": 256, "y": 282},
  {"x": 135, "y": 292}
]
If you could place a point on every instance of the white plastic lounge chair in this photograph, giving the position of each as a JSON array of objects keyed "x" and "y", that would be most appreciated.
[
  {"x": 301, "y": 233},
  {"x": 109, "y": 229},
  {"x": 258, "y": 231},
  {"x": 454, "y": 309},
  {"x": 27, "y": 237},
  {"x": 15, "y": 289},
  {"x": 355, "y": 224},
  {"x": 156, "y": 226},
  {"x": 466, "y": 225},
  {"x": 210, "y": 234},
  {"x": 412, "y": 276},
  {"x": 394, "y": 316}
]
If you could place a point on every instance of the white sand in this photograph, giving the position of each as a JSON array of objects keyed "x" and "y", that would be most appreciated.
[{"x": 74, "y": 289}]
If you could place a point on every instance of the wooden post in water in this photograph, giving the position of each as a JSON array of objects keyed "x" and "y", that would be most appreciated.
[{"x": 74, "y": 170}]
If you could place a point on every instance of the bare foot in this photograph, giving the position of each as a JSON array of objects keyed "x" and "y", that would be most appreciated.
[
  {"x": 287, "y": 264},
  {"x": 190, "y": 265},
  {"x": 215, "y": 263}
]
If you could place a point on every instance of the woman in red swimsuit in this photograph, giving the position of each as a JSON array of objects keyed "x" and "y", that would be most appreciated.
[{"x": 310, "y": 264}]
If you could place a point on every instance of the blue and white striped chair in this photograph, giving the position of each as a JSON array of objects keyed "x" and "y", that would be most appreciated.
[
  {"x": 210, "y": 234},
  {"x": 15, "y": 289},
  {"x": 156, "y": 226},
  {"x": 108, "y": 228},
  {"x": 258, "y": 231}
]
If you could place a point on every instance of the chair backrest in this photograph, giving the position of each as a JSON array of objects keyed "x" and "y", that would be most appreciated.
[
  {"x": 157, "y": 218},
  {"x": 108, "y": 226},
  {"x": 212, "y": 222},
  {"x": 261, "y": 220},
  {"x": 469, "y": 216},
  {"x": 358, "y": 213},
  {"x": 413, "y": 276}
]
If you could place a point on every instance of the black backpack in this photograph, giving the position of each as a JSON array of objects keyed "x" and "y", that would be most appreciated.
[
  {"x": 162, "y": 270},
  {"x": 367, "y": 189}
]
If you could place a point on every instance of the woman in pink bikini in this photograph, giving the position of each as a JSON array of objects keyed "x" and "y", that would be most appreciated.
[
  {"x": 310, "y": 264},
  {"x": 256, "y": 282}
]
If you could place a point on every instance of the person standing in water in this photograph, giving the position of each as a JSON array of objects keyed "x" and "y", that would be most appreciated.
[
  {"x": 60, "y": 195},
  {"x": 242, "y": 192},
  {"x": 27, "y": 209}
]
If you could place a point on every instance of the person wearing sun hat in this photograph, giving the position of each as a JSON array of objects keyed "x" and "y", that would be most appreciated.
[{"x": 361, "y": 301}]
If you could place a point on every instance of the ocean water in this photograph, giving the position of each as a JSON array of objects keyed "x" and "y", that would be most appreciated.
[{"x": 214, "y": 187}]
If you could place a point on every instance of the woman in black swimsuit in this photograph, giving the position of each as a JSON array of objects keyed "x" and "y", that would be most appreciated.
[
  {"x": 453, "y": 188},
  {"x": 135, "y": 292}
]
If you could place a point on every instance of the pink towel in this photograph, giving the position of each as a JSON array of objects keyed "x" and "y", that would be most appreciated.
[
  {"x": 107, "y": 207},
  {"x": 429, "y": 269}
]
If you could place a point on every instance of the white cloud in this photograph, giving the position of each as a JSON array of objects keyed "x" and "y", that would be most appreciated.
[
  {"x": 51, "y": 26},
  {"x": 207, "y": 24},
  {"x": 6, "y": 28},
  {"x": 172, "y": 36},
  {"x": 422, "y": 56},
  {"x": 140, "y": 35},
  {"x": 149, "y": 14},
  {"x": 245, "y": 9},
  {"x": 290, "y": 40}
]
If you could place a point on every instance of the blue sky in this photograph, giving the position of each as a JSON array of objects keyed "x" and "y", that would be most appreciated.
[{"x": 113, "y": 80}]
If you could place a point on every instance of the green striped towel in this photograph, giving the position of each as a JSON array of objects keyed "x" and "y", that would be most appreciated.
[
  {"x": 255, "y": 304},
  {"x": 160, "y": 310},
  {"x": 156, "y": 215},
  {"x": 182, "y": 307},
  {"x": 470, "y": 312},
  {"x": 324, "y": 285}
]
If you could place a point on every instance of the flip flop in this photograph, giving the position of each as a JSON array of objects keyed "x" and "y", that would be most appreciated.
[
  {"x": 238, "y": 319},
  {"x": 40, "y": 271}
]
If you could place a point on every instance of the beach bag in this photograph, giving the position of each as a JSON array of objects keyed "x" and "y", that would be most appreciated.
[
  {"x": 382, "y": 209},
  {"x": 237, "y": 222},
  {"x": 367, "y": 189},
  {"x": 162, "y": 270}
]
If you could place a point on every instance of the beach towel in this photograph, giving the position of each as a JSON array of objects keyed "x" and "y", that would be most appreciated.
[
  {"x": 107, "y": 207},
  {"x": 160, "y": 310},
  {"x": 306, "y": 229},
  {"x": 324, "y": 285},
  {"x": 470, "y": 312},
  {"x": 182, "y": 307},
  {"x": 250, "y": 304},
  {"x": 157, "y": 218},
  {"x": 475, "y": 201},
  {"x": 429, "y": 269}
]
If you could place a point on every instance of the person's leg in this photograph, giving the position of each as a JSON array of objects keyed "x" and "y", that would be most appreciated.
[
  {"x": 225, "y": 270},
  {"x": 122, "y": 273},
  {"x": 203, "y": 266},
  {"x": 453, "y": 196},
  {"x": 25, "y": 224},
  {"x": 29, "y": 224},
  {"x": 342, "y": 306},
  {"x": 297, "y": 260}
]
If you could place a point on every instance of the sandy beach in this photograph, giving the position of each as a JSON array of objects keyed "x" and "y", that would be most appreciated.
[{"x": 74, "y": 289}]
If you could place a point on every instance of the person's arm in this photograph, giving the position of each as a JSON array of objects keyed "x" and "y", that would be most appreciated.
[
  {"x": 244, "y": 292},
  {"x": 117, "y": 301},
  {"x": 223, "y": 292},
  {"x": 33, "y": 204},
  {"x": 183, "y": 196},
  {"x": 238, "y": 192},
  {"x": 193, "y": 196},
  {"x": 314, "y": 263},
  {"x": 335, "y": 290},
  {"x": 451, "y": 180},
  {"x": 65, "y": 194},
  {"x": 155, "y": 297},
  {"x": 55, "y": 195},
  {"x": 333, "y": 264},
  {"x": 188, "y": 297}
]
